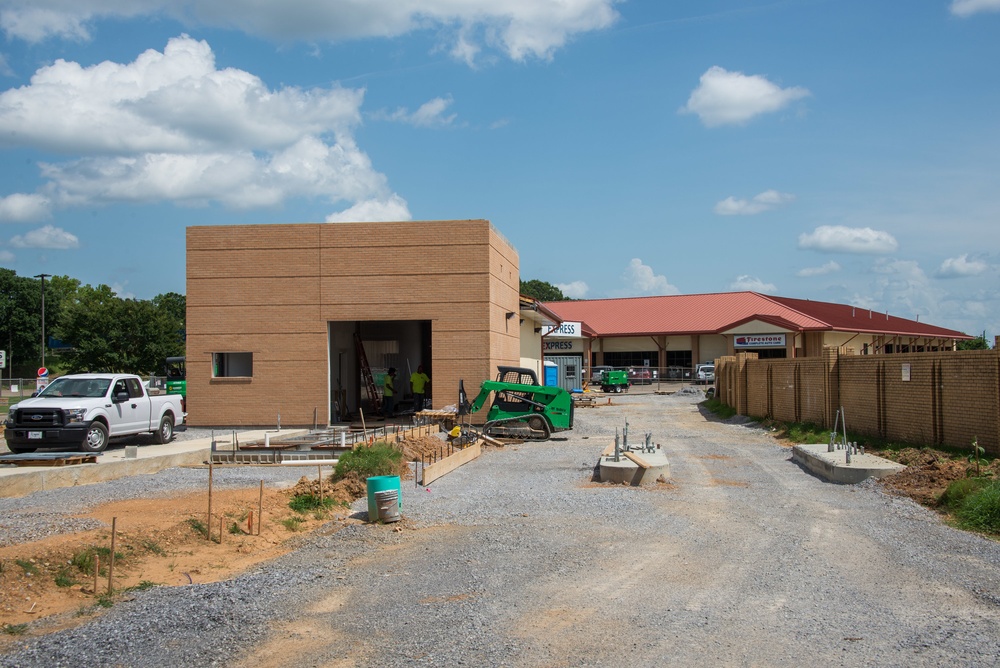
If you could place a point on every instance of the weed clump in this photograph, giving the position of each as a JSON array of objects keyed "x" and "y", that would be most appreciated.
[{"x": 377, "y": 459}]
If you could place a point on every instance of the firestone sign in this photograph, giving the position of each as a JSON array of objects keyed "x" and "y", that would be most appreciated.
[
  {"x": 569, "y": 330},
  {"x": 759, "y": 341}
]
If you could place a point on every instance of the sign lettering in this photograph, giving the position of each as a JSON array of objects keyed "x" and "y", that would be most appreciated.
[
  {"x": 566, "y": 329},
  {"x": 759, "y": 341}
]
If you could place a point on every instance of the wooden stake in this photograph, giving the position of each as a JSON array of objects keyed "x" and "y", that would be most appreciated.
[
  {"x": 208, "y": 529},
  {"x": 320, "y": 484},
  {"x": 97, "y": 570},
  {"x": 111, "y": 565},
  {"x": 260, "y": 507},
  {"x": 222, "y": 527},
  {"x": 364, "y": 430}
]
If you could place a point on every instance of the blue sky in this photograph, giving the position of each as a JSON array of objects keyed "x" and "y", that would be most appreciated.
[{"x": 844, "y": 151}]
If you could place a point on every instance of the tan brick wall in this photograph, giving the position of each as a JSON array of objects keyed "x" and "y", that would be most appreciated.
[
  {"x": 948, "y": 399},
  {"x": 272, "y": 289}
]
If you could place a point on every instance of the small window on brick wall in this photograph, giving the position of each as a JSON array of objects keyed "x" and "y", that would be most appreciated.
[{"x": 230, "y": 365}]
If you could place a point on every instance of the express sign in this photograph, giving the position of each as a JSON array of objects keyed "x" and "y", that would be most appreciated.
[
  {"x": 759, "y": 341},
  {"x": 571, "y": 330}
]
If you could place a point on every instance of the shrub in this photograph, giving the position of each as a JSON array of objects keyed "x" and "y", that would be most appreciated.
[{"x": 377, "y": 459}]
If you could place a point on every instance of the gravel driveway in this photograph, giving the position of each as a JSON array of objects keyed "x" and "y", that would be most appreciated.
[{"x": 518, "y": 559}]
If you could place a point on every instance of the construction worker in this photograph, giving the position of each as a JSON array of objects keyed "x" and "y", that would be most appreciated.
[
  {"x": 387, "y": 392},
  {"x": 418, "y": 386}
]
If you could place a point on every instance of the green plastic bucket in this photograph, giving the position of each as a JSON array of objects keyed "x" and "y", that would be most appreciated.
[{"x": 380, "y": 483}]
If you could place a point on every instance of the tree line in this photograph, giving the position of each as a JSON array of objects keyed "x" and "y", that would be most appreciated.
[{"x": 93, "y": 328}]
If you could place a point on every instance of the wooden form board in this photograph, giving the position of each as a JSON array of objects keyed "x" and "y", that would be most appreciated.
[
  {"x": 640, "y": 462},
  {"x": 450, "y": 463}
]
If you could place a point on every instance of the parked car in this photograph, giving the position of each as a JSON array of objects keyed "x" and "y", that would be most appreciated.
[
  {"x": 640, "y": 375},
  {"x": 706, "y": 374}
]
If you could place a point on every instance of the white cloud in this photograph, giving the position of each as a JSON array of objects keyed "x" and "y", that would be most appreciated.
[
  {"x": 430, "y": 114},
  {"x": 5, "y": 68},
  {"x": 392, "y": 209},
  {"x": 574, "y": 290},
  {"x": 969, "y": 7},
  {"x": 828, "y": 268},
  {"x": 724, "y": 97},
  {"x": 516, "y": 28},
  {"x": 902, "y": 288},
  {"x": 841, "y": 239},
  {"x": 121, "y": 292},
  {"x": 955, "y": 267},
  {"x": 753, "y": 284},
  {"x": 46, "y": 237},
  {"x": 6, "y": 256},
  {"x": 642, "y": 281},
  {"x": 170, "y": 126},
  {"x": 21, "y": 208},
  {"x": 765, "y": 201}
]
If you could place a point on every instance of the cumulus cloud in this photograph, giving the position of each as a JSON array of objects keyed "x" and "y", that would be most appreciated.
[
  {"x": 956, "y": 267},
  {"x": 733, "y": 98},
  {"x": 765, "y": 201},
  {"x": 46, "y": 237},
  {"x": 6, "y": 256},
  {"x": 574, "y": 290},
  {"x": 965, "y": 8},
  {"x": 902, "y": 288},
  {"x": 841, "y": 239},
  {"x": 430, "y": 114},
  {"x": 515, "y": 28},
  {"x": 828, "y": 268},
  {"x": 21, "y": 208},
  {"x": 373, "y": 211},
  {"x": 752, "y": 283},
  {"x": 643, "y": 281},
  {"x": 171, "y": 126}
]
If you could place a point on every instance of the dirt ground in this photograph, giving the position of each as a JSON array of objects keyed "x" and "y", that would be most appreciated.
[{"x": 162, "y": 541}]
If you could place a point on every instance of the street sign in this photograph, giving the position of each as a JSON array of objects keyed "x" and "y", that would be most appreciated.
[
  {"x": 43, "y": 372},
  {"x": 3, "y": 359}
]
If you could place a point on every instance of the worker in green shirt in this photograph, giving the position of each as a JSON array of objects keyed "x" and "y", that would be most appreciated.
[
  {"x": 418, "y": 385},
  {"x": 387, "y": 392}
]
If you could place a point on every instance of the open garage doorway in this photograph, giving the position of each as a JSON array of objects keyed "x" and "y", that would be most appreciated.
[{"x": 403, "y": 344}]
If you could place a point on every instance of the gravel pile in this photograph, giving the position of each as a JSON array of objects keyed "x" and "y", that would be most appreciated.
[{"x": 519, "y": 559}]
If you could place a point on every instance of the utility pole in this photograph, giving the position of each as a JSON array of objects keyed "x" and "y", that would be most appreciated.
[{"x": 43, "y": 277}]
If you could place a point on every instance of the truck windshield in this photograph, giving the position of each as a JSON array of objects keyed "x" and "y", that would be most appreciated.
[{"x": 76, "y": 387}]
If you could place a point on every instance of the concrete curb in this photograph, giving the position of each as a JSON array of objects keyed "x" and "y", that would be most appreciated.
[
  {"x": 21, "y": 481},
  {"x": 833, "y": 466}
]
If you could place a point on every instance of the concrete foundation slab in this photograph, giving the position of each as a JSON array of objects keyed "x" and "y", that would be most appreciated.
[{"x": 833, "y": 466}]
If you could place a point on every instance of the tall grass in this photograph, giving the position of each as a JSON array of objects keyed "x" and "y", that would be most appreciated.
[
  {"x": 377, "y": 459},
  {"x": 980, "y": 509}
]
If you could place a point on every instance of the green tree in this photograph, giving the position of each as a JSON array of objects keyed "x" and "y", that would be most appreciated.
[
  {"x": 542, "y": 291},
  {"x": 978, "y": 343},
  {"x": 108, "y": 333}
]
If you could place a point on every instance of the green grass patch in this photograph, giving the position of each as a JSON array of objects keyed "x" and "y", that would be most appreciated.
[
  {"x": 154, "y": 547},
  {"x": 28, "y": 567},
  {"x": 980, "y": 510},
  {"x": 198, "y": 526},
  {"x": 719, "y": 409},
  {"x": 377, "y": 459},
  {"x": 15, "y": 629},
  {"x": 85, "y": 559},
  {"x": 806, "y": 432},
  {"x": 959, "y": 490},
  {"x": 105, "y": 600},
  {"x": 142, "y": 586},
  {"x": 305, "y": 503},
  {"x": 64, "y": 578},
  {"x": 292, "y": 523}
]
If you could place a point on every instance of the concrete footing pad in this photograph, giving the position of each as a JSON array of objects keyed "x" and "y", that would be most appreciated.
[
  {"x": 634, "y": 468},
  {"x": 833, "y": 466}
]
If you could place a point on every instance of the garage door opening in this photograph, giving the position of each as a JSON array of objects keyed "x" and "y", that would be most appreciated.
[{"x": 402, "y": 344}]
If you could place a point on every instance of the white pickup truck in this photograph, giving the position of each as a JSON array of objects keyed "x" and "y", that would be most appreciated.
[{"x": 81, "y": 412}]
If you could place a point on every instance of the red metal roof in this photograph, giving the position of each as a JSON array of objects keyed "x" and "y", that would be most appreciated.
[{"x": 714, "y": 313}]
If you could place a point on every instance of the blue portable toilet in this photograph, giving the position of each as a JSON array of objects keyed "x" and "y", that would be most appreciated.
[{"x": 551, "y": 374}]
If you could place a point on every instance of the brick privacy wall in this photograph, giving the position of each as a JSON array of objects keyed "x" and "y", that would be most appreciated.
[
  {"x": 272, "y": 289},
  {"x": 950, "y": 398}
]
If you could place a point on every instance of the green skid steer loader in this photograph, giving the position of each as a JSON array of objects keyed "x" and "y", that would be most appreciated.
[{"x": 521, "y": 407}]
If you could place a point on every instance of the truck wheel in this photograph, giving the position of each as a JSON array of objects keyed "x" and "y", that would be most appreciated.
[
  {"x": 96, "y": 439},
  {"x": 166, "y": 430}
]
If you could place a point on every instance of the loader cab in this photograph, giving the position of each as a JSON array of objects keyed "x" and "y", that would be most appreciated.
[{"x": 514, "y": 402}]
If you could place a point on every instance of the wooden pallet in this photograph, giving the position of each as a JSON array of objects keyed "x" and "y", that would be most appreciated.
[{"x": 49, "y": 459}]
